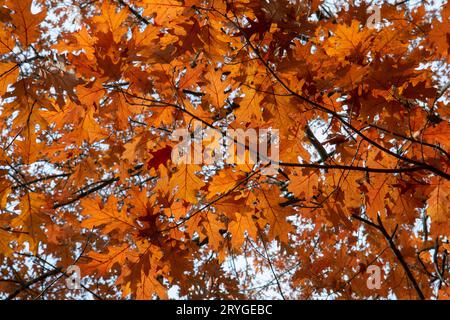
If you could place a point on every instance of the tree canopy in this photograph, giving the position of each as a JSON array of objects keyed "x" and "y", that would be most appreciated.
[{"x": 92, "y": 90}]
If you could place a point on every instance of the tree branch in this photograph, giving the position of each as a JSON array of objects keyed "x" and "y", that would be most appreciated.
[
  {"x": 87, "y": 192},
  {"x": 395, "y": 250},
  {"x": 134, "y": 12},
  {"x": 157, "y": 103},
  {"x": 327, "y": 110},
  {"x": 28, "y": 284}
]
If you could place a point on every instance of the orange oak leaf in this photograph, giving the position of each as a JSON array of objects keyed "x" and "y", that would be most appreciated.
[{"x": 26, "y": 22}]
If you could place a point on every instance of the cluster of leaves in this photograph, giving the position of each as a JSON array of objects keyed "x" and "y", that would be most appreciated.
[{"x": 92, "y": 90}]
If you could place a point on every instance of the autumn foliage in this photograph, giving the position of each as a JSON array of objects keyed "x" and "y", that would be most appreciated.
[{"x": 92, "y": 90}]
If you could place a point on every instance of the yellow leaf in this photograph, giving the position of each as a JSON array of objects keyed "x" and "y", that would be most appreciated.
[
  {"x": 268, "y": 203},
  {"x": 223, "y": 182},
  {"x": 237, "y": 227},
  {"x": 439, "y": 203},
  {"x": 32, "y": 216},
  {"x": 103, "y": 263},
  {"x": 26, "y": 23},
  {"x": 349, "y": 40},
  {"x": 111, "y": 20},
  {"x": 107, "y": 216},
  {"x": 186, "y": 182},
  {"x": 163, "y": 10}
]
